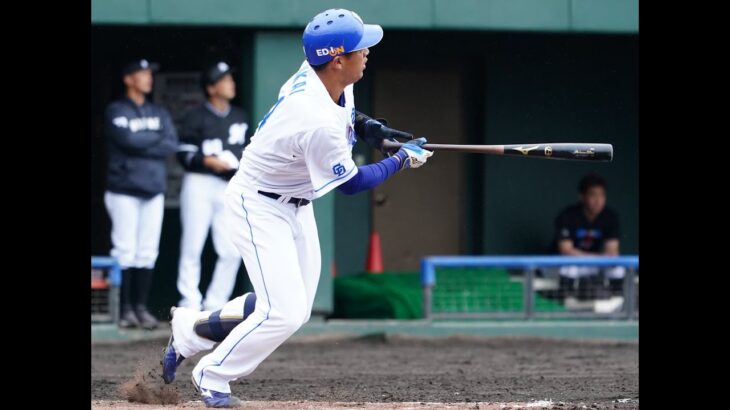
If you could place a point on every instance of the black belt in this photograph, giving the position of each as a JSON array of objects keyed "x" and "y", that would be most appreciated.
[{"x": 296, "y": 201}]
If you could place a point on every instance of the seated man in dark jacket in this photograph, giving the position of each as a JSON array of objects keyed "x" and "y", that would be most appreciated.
[
  {"x": 140, "y": 137},
  {"x": 589, "y": 228}
]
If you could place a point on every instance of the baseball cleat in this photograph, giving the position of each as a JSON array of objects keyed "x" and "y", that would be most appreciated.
[
  {"x": 170, "y": 359},
  {"x": 215, "y": 399},
  {"x": 128, "y": 319},
  {"x": 146, "y": 320}
]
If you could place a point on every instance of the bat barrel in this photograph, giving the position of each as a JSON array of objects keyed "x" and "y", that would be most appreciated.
[
  {"x": 568, "y": 151},
  {"x": 561, "y": 150}
]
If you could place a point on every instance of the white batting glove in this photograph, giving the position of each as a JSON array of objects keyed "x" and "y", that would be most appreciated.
[
  {"x": 228, "y": 157},
  {"x": 412, "y": 155}
]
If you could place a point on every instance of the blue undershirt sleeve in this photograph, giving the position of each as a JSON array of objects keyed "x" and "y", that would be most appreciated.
[{"x": 371, "y": 175}]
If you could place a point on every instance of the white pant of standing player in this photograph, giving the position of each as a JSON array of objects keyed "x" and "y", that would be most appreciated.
[
  {"x": 574, "y": 272},
  {"x": 136, "y": 228},
  {"x": 280, "y": 247},
  {"x": 201, "y": 208}
]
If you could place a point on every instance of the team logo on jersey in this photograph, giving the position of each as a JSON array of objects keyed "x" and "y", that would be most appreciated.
[
  {"x": 121, "y": 122},
  {"x": 338, "y": 169},
  {"x": 212, "y": 146},
  {"x": 138, "y": 124},
  {"x": 332, "y": 51},
  {"x": 237, "y": 133}
]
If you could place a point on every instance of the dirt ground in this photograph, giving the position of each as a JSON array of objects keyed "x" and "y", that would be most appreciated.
[{"x": 383, "y": 372}]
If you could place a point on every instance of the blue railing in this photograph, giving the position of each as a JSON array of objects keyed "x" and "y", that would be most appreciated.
[
  {"x": 528, "y": 264},
  {"x": 115, "y": 280},
  {"x": 107, "y": 262}
]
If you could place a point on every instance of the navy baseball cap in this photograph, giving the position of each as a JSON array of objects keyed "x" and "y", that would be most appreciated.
[
  {"x": 215, "y": 73},
  {"x": 137, "y": 65}
]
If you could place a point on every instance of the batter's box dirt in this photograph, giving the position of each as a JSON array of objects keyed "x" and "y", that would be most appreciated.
[
  {"x": 390, "y": 372},
  {"x": 308, "y": 405}
]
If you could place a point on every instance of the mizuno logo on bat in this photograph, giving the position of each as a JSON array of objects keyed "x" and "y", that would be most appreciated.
[{"x": 524, "y": 151}]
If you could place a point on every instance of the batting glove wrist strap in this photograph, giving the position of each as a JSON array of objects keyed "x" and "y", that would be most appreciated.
[{"x": 415, "y": 155}]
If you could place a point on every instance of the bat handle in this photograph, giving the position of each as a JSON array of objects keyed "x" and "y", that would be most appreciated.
[{"x": 391, "y": 146}]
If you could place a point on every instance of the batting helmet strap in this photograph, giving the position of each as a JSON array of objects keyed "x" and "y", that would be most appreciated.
[{"x": 335, "y": 32}]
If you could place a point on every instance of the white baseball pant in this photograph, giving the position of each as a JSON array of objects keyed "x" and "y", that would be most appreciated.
[
  {"x": 201, "y": 208},
  {"x": 280, "y": 248},
  {"x": 136, "y": 228}
]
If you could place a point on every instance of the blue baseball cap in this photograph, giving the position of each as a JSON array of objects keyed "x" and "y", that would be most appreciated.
[{"x": 335, "y": 32}]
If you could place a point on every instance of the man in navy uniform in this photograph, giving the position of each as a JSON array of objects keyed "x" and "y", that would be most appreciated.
[{"x": 140, "y": 137}]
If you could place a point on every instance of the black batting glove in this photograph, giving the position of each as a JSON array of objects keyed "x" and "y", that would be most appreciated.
[{"x": 374, "y": 131}]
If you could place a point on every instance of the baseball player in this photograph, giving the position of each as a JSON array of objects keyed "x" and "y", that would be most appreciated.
[
  {"x": 301, "y": 150},
  {"x": 211, "y": 141},
  {"x": 140, "y": 137}
]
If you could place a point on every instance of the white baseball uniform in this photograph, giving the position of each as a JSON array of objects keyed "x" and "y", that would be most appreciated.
[
  {"x": 205, "y": 132},
  {"x": 301, "y": 149}
]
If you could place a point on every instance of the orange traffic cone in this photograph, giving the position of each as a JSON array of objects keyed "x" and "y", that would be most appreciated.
[{"x": 374, "y": 263}]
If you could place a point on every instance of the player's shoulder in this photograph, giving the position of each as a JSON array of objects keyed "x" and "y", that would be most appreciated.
[
  {"x": 120, "y": 108},
  {"x": 309, "y": 108},
  {"x": 118, "y": 105},
  {"x": 238, "y": 112},
  {"x": 159, "y": 108}
]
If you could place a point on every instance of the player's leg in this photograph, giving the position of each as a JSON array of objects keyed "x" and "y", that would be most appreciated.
[
  {"x": 194, "y": 331},
  {"x": 310, "y": 256},
  {"x": 229, "y": 260},
  {"x": 196, "y": 212},
  {"x": 616, "y": 276},
  {"x": 263, "y": 231},
  {"x": 149, "y": 228},
  {"x": 124, "y": 213}
]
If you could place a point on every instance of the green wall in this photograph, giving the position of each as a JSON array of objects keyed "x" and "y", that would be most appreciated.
[
  {"x": 558, "y": 89},
  {"x": 616, "y": 16}
]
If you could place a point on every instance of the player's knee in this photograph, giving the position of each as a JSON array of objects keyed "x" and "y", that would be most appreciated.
[
  {"x": 304, "y": 317},
  {"x": 291, "y": 318},
  {"x": 307, "y": 315},
  {"x": 125, "y": 257},
  {"x": 145, "y": 260},
  {"x": 283, "y": 323},
  {"x": 291, "y": 325}
]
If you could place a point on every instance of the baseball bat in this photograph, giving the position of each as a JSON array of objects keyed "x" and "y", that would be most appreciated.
[{"x": 575, "y": 151}]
